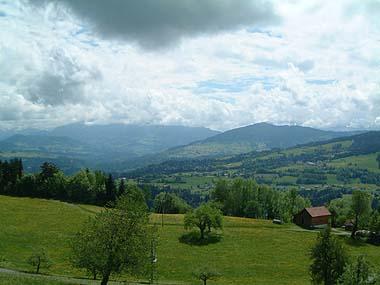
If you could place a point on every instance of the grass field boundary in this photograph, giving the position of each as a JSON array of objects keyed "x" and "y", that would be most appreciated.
[{"x": 75, "y": 280}]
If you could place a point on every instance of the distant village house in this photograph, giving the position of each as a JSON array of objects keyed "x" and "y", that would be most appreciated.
[{"x": 312, "y": 217}]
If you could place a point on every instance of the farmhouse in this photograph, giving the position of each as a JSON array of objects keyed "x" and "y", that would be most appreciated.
[{"x": 312, "y": 217}]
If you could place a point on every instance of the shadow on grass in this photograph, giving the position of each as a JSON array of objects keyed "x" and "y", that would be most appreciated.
[
  {"x": 355, "y": 242},
  {"x": 194, "y": 238}
]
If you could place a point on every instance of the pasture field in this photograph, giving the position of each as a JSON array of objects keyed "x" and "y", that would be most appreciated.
[
  {"x": 250, "y": 251},
  {"x": 186, "y": 181},
  {"x": 367, "y": 161}
]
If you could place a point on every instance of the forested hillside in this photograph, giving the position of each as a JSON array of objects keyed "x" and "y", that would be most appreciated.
[
  {"x": 258, "y": 137},
  {"x": 75, "y": 146},
  {"x": 341, "y": 164}
]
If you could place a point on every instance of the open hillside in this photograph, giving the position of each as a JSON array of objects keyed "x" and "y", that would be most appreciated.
[
  {"x": 250, "y": 252},
  {"x": 340, "y": 164},
  {"x": 257, "y": 137},
  {"x": 118, "y": 147}
]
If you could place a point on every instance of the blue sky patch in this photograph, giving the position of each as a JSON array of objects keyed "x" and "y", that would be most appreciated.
[
  {"x": 80, "y": 31},
  {"x": 321, "y": 81},
  {"x": 265, "y": 32},
  {"x": 234, "y": 86},
  {"x": 90, "y": 42}
]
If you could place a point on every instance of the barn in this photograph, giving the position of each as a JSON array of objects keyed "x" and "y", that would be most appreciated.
[{"x": 312, "y": 217}]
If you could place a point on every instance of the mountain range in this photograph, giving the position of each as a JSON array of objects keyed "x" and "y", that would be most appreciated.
[
  {"x": 119, "y": 147},
  {"x": 257, "y": 137}
]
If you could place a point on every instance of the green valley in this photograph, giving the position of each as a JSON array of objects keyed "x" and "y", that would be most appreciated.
[{"x": 341, "y": 164}]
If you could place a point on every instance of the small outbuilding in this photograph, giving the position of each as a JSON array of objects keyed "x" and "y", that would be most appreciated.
[
  {"x": 348, "y": 225},
  {"x": 312, "y": 217}
]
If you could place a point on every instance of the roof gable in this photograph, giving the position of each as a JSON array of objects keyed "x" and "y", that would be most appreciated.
[{"x": 318, "y": 211}]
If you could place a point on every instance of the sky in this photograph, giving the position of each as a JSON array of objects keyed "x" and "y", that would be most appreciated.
[{"x": 219, "y": 64}]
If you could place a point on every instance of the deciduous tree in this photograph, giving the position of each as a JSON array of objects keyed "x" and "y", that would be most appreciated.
[
  {"x": 39, "y": 259},
  {"x": 361, "y": 206},
  {"x": 115, "y": 240},
  {"x": 205, "y": 217},
  {"x": 204, "y": 274}
]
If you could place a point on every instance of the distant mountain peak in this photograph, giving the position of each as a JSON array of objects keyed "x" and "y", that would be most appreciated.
[{"x": 255, "y": 137}]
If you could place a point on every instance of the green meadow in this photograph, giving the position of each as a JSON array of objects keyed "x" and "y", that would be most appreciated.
[
  {"x": 367, "y": 161},
  {"x": 250, "y": 251}
]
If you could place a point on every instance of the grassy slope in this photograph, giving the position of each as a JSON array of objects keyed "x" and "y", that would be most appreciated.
[
  {"x": 251, "y": 251},
  {"x": 6, "y": 279},
  {"x": 187, "y": 182},
  {"x": 260, "y": 136},
  {"x": 31, "y": 223},
  {"x": 209, "y": 149},
  {"x": 367, "y": 161}
]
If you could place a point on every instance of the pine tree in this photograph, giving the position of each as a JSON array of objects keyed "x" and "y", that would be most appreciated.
[
  {"x": 110, "y": 189},
  {"x": 329, "y": 259},
  {"x": 121, "y": 190}
]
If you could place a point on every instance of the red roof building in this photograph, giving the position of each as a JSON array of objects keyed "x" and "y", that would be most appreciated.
[{"x": 312, "y": 217}]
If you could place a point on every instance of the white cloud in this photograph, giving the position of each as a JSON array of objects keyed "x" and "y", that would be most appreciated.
[{"x": 319, "y": 68}]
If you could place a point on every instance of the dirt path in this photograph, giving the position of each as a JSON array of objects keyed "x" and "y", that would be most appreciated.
[
  {"x": 73, "y": 280},
  {"x": 64, "y": 279}
]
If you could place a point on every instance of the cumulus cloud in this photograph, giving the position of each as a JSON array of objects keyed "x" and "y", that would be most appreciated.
[
  {"x": 54, "y": 70},
  {"x": 157, "y": 23},
  {"x": 63, "y": 82}
]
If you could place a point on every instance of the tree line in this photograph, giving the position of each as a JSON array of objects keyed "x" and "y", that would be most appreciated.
[
  {"x": 245, "y": 198},
  {"x": 239, "y": 197},
  {"x": 85, "y": 186},
  {"x": 346, "y": 175}
]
